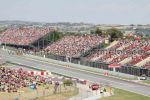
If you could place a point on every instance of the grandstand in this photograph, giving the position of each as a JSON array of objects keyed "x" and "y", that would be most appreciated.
[
  {"x": 132, "y": 54},
  {"x": 146, "y": 65},
  {"x": 26, "y": 36},
  {"x": 123, "y": 50},
  {"x": 74, "y": 46}
]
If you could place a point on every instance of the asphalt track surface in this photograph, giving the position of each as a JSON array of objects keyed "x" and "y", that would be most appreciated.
[{"x": 118, "y": 83}]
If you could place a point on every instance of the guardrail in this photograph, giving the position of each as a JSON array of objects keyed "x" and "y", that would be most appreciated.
[{"x": 86, "y": 68}]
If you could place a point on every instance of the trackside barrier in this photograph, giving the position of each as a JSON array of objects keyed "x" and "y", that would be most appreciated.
[
  {"x": 41, "y": 73},
  {"x": 82, "y": 67}
]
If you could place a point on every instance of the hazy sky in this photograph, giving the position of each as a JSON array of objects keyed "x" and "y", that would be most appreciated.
[{"x": 92, "y": 11}]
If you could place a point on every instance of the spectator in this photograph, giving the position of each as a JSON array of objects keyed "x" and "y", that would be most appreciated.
[
  {"x": 73, "y": 46},
  {"x": 23, "y": 36}
]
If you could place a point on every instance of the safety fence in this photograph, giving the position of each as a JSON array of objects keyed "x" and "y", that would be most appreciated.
[{"x": 132, "y": 70}]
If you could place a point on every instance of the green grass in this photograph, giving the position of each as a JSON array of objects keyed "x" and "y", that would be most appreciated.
[
  {"x": 146, "y": 81},
  {"x": 135, "y": 78},
  {"x": 125, "y": 95}
]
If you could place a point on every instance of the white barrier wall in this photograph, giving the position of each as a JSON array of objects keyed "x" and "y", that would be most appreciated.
[{"x": 82, "y": 67}]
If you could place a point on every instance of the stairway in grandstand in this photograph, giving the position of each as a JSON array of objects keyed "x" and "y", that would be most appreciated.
[
  {"x": 92, "y": 50},
  {"x": 126, "y": 60},
  {"x": 112, "y": 44},
  {"x": 123, "y": 46},
  {"x": 143, "y": 62},
  {"x": 108, "y": 47}
]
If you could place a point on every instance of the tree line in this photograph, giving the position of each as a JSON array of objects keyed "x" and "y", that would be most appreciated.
[{"x": 113, "y": 33}]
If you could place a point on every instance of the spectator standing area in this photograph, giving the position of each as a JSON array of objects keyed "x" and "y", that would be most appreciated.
[{"x": 18, "y": 84}]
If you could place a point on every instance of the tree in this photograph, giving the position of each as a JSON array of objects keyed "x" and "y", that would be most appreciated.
[
  {"x": 97, "y": 31},
  {"x": 147, "y": 35},
  {"x": 2, "y": 29},
  {"x": 92, "y": 32},
  {"x": 114, "y": 34},
  {"x": 67, "y": 83},
  {"x": 139, "y": 34},
  {"x": 57, "y": 35}
]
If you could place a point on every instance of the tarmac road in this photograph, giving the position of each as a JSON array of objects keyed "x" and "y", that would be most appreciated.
[{"x": 118, "y": 83}]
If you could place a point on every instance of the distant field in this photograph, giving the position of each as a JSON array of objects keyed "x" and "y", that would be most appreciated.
[{"x": 125, "y": 95}]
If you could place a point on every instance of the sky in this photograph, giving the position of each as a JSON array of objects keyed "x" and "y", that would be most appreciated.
[{"x": 89, "y": 11}]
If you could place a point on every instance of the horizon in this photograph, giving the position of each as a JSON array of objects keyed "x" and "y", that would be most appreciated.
[
  {"x": 71, "y": 22},
  {"x": 93, "y": 11}
]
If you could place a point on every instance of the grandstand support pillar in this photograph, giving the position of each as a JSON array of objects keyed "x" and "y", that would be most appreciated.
[
  {"x": 3, "y": 47},
  {"x": 43, "y": 42},
  {"x": 79, "y": 62},
  {"x": 38, "y": 44},
  {"x": 114, "y": 69},
  {"x": 148, "y": 73},
  {"x": 67, "y": 59},
  {"x": 70, "y": 59}
]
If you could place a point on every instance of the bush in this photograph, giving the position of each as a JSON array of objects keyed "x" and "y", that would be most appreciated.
[{"x": 67, "y": 82}]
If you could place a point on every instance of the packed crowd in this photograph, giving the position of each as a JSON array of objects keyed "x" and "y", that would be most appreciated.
[
  {"x": 24, "y": 35},
  {"x": 74, "y": 45},
  {"x": 146, "y": 65},
  {"x": 13, "y": 79},
  {"x": 106, "y": 53},
  {"x": 135, "y": 49}
]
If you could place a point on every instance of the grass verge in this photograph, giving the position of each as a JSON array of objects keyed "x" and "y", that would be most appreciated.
[
  {"x": 146, "y": 81},
  {"x": 120, "y": 94}
]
